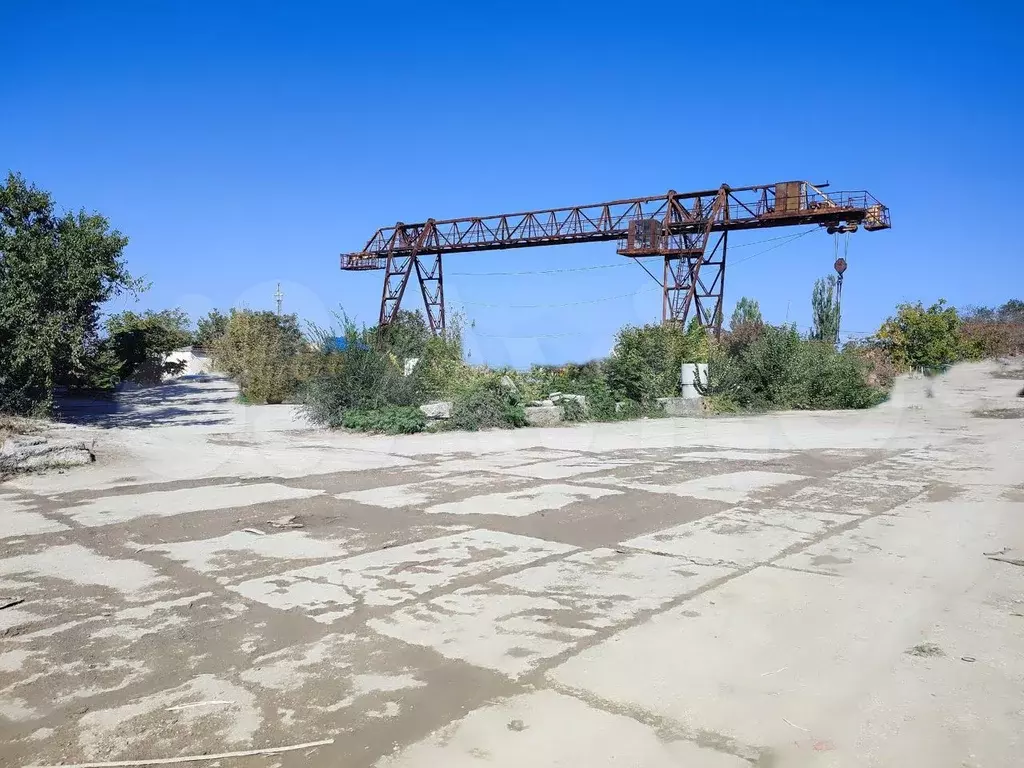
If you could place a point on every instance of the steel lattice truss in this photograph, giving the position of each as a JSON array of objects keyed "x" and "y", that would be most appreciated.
[{"x": 675, "y": 226}]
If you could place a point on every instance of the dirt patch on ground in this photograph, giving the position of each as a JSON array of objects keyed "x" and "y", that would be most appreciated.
[
  {"x": 1009, "y": 373},
  {"x": 999, "y": 413},
  {"x": 1014, "y": 494},
  {"x": 942, "y": 492},
  {"x": 925, "y": 650}
]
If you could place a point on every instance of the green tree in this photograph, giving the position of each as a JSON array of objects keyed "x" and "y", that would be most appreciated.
[
  {"x": 210, "y": 328},
  {"x": 919, "y": 337},
  {"x": 141, "y": 342},
  {"x": 55, "y": 272},
  {"x": 825, "y": 310},
  {"x": 747, "y": 312},
  {"x": 1012, "y": 312}
]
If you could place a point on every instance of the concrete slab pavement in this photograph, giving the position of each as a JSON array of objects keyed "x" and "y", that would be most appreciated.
[{"x": 799, "y": 589}]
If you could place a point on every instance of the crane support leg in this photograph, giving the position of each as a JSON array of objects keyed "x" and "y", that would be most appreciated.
[
  {"x": 396, "y": 278},
  {"x": 695, "y": 278},
  {"x": 402, "y": 256},
  {"x": 431, "y": 277}
]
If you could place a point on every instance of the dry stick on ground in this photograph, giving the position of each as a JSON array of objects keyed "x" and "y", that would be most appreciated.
[{"x": 196, "y": 758}]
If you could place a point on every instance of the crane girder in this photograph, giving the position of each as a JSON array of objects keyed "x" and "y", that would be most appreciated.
[{"x": 676, "y": 226}]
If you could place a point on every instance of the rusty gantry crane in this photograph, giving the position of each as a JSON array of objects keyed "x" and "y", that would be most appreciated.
[{"x": 675, "y": 226}]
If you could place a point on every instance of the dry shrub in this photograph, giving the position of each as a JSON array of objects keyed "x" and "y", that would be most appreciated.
[
  {"x": 880, "y": 370},
  {"x": 984, "y": 339}
]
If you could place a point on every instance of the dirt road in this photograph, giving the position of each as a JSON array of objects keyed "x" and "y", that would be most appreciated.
[{"x": 799, "y": 589}]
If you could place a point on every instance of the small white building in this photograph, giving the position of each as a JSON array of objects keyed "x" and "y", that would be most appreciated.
[{"x": 196, "y": 360}]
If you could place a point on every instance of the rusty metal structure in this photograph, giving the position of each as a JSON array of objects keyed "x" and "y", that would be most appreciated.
[{"x": 676, "y": 226}]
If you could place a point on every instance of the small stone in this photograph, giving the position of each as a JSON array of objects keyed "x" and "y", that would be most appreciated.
[{"x": 516, "y": 725}]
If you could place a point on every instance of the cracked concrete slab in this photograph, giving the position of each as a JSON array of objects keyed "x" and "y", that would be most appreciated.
[
  {"x": 530, "y": 730},
  {"x": 517, "y": 621},
  {"x": 81, "y": 566},
  {"x": 421, "y": 493},
  {"x": 730, "y": 487},
  {"x": 119, "y": 509},
  {"x": 518, "y": 503},
  {"x": 740, "y": 536},
  {"x": 239, "y": 552},
  {"x": 391, "y": 576},
  {"x": 19, "y": 520},
  {"x": 559, "y": 469},
  {"x": 733, "y": 455}
]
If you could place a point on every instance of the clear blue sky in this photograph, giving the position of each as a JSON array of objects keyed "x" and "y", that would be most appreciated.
[{"x": 242, "y": 143}]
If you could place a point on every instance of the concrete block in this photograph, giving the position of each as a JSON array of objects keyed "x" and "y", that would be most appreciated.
[
  {"x": 26, "y": 454},
  {"x": 543, "y": 415},
  {"x": 439, "y": 410}
]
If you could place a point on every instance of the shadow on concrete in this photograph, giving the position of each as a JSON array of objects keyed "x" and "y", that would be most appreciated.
[{"x": 179, "y": 403}]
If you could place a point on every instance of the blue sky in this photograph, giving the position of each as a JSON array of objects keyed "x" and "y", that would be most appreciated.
[{"x": 239, "y": 144}]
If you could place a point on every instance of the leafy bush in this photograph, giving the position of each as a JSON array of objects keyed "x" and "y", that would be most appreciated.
[
  {"x": 488, "y": 403},
  {"x": 646, "y": 361},
  {"x": 587, "y": 379},
  {"x": 407, "y": 336},
  {"x": 359, "y": 374},
  {"x": 779, "y": 369},
  {"x": 210, "y": 328},
  {"x": 822, "y": 378},
  {"x": 393, "y": 420},
  {"x": 262, "y": 351},
  {"x": 756, "y": 374},
  {"x": 920, "y": 338},
  {"x": 442, "y": 370},
  {"x": 572, "y": 410}
]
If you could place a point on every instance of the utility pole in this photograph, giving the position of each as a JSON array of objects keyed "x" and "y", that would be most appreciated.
[{"x": 279, "y": 297}]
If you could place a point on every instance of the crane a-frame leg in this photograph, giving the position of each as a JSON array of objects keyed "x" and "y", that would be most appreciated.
[
  {"x": 396, "y": 278},
  {"x": 397, "y": 270},
  {"x": 693, "y": 277}
]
